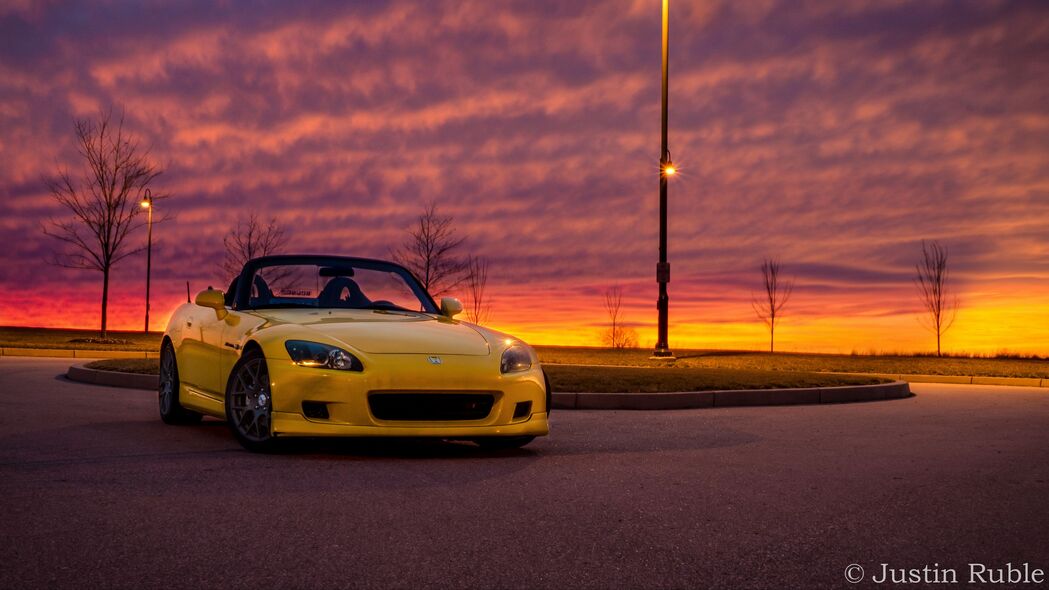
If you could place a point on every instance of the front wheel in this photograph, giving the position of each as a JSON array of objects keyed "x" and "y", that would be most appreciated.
[
  {"x": 171, "y": 410},
  {"x": 503, "y": 442},
  {"x": 248, "y": 404}
]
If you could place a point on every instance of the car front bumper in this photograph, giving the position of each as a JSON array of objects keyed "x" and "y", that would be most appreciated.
[{"x": 344, "y": 396}]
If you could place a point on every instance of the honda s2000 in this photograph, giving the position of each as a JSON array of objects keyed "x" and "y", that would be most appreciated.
[{"x": 337, "y": 346}]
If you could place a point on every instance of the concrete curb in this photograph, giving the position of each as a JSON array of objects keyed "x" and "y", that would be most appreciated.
[
  {"x": 72, "y": 353},
  {"x": 959, "y": 379},
  {"x": 112, "y": 378},
  {"x": 908, "y": 377},
  {"x": 681, "y": 400}
]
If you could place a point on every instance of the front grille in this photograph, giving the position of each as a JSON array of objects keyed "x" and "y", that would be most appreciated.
[{"x": 431, "y": 406}]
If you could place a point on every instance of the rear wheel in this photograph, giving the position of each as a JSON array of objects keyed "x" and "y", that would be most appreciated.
[
  {"x": 171, "y": 410},
  {"x": 248, "y": 403},
  {"x": 503, "y": 442}
]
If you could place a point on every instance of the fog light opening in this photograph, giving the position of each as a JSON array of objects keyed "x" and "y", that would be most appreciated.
[
  {"x": 315, "y": 410},
  {"x": 522, "y": 409}
]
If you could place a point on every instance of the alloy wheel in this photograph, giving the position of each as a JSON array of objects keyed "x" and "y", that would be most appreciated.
[{"x": 250, "y": 401}]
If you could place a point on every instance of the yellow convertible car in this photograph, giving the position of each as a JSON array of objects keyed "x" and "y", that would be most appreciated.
[{"x": 336, "y": 346}]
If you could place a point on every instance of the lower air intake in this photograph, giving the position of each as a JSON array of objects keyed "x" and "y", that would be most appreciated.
[
  {"x": 434, "y": 407},
  {"x": 522, "y": 409},
  {"x": 315, "y": 410}
]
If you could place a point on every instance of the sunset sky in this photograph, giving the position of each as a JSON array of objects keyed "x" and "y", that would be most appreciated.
[{"x": 834, "y": 136}]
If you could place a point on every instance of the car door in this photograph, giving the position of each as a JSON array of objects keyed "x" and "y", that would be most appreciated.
[
  {"x": 189, "y": 349},
  {"x": 211, "y": 355},
  {"x": 199, "y": 353}
]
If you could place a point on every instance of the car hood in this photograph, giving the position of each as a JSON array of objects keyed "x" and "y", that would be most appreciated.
[{"x": 386, "y": 332}]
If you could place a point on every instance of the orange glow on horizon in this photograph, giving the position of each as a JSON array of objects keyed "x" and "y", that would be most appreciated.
[{"x": 998, "y": 325}]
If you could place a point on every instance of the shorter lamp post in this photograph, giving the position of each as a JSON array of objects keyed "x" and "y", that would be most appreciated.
[{"x": 147, "y": 204}]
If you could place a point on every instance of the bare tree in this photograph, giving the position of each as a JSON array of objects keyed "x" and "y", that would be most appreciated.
[
  {"x": 431, "y": 252},
  {"x": 769, "y": 308},
  {"x": 479, "y": 308},
  {"x": 935, "y": 292},
  {"x": 617, "y": 335},
  {"x": 248, "y": 239},
  {"x": 103, "y": 205}
]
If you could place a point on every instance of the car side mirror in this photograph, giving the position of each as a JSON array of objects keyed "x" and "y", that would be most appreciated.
[
  {"x": 451, "y": 307},
  {"x": 213, "y": 299}
]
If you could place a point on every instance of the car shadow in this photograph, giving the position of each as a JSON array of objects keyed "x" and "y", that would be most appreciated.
[{"x": 395, "y": 448}]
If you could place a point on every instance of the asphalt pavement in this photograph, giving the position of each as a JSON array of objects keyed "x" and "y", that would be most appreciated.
[{"x": 96, "y": 492}]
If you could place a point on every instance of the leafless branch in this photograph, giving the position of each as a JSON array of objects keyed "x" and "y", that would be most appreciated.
[
  {"x": 769, "y": 308},
  {"x": 430, "y": 252},
  {"x": 617, "y": 335},
  {"x": 478, "y": 309},
  {"x": 101, "y": 208},
  {"x": 932, "y": 281},
  {"x": 250, "y": 238}
]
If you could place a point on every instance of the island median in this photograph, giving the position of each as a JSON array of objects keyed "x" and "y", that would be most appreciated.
[{"x": 620, "y": 388}]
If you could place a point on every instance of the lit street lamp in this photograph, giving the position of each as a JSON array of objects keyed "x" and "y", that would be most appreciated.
[
  {"x": 666, "y": 169},
  {"x": 147, "y": 204}
]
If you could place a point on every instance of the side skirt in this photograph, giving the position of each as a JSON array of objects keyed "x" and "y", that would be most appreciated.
[{"x": 195, "y": 399}]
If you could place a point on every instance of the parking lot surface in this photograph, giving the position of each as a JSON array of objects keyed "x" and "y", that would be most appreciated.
[{"x": 97, "y": 492}]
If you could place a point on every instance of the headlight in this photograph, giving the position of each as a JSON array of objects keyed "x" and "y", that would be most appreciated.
[
  {"x": 322, "y": 356},
  {"x": 516, "y": 358}
]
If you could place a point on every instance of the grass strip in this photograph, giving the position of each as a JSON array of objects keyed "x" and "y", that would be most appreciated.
[
  {"x": 803, "y": 362},
  {"x": 616, "y": 379}
]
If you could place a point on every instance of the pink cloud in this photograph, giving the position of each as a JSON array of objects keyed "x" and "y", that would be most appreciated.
[{"x": 832, "y": 136}]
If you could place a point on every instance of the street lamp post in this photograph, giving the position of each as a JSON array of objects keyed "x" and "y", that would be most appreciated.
[
  {"x": 666, "y": 169},
  {"x": 147, "y": 204}
]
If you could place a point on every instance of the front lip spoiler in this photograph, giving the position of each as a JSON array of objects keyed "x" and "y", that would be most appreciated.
[{"x": 294, "y": 424}]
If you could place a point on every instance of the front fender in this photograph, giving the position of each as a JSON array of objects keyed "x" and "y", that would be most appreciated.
[
  {"x": 271, "y": 340},
  {"x": 175, "y": 330}
]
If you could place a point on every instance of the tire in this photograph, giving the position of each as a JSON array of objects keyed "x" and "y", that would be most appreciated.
[
  {"x": 171, "y": 410},
  {"x": 503, "y": 442},
  {"x": 249, "y": 404}
]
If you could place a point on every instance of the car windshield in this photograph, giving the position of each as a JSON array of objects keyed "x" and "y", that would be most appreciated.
[{"x": 333, "y": 283}]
